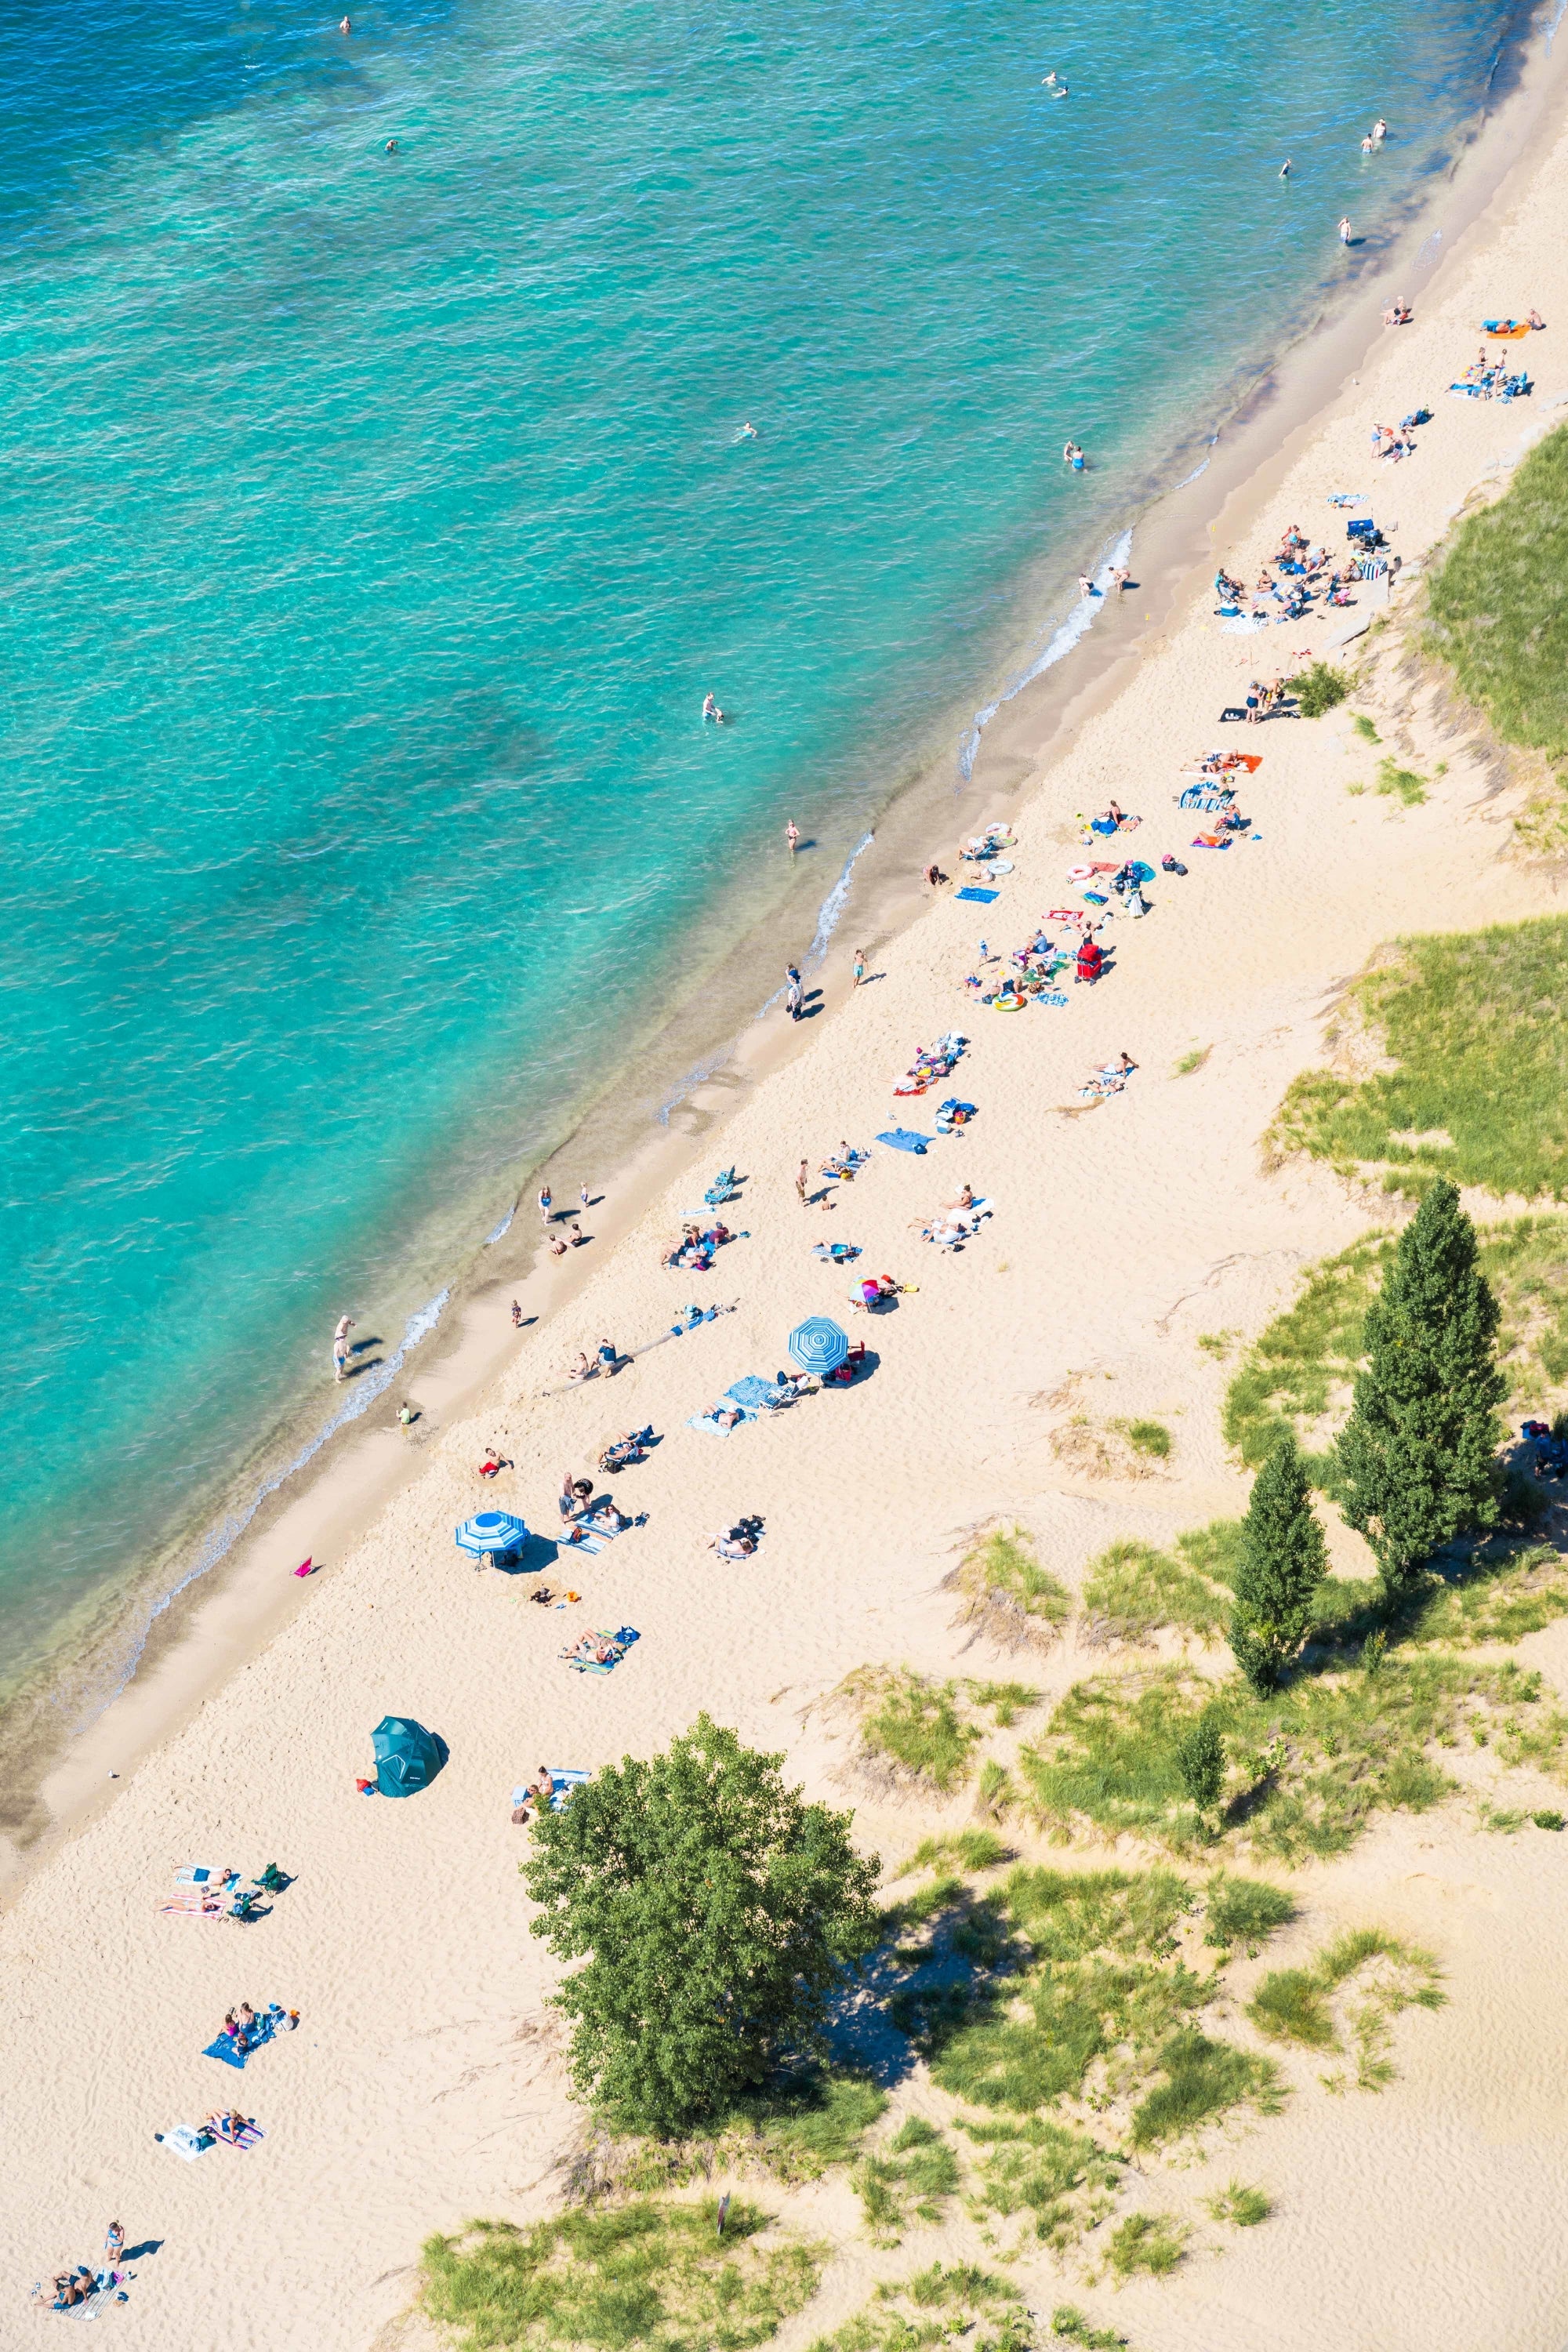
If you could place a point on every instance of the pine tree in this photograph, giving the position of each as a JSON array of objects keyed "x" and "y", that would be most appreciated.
[
  {"x": 1283, "y": 1561},
  {"x": 1417, "y": 1459},
  {"x": 1200, "y": 1757}
]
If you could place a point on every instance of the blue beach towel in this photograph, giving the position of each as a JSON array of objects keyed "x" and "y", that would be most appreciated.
[
  {"x": 752, "y": 1392},
  {"x": 980, "y": 897},
  {"x": 904, "y": 1138},
  {"x": 1054, "y": 996},
  {"x": 228, "y": 2052}
]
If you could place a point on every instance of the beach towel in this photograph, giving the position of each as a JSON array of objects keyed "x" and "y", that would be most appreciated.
[
  {"x": 228, "y": 2052},
  {"x": 1246, "y": 625},
  {"x": 563, "y": 1778},
  {"x": 904, "y": 1138},
  {"x": 1097, "y": 898},
  {"x": 1229, "y": 718},
  {"x": 246, "y": 2142},
  {"x": 619, "y": 1642},
  {"x": 705, "y": 1420},
  {"x": 199, "y": 1874},
  {"x": 980, "y": 897},
  {"x": 1210, "y": 840},
  {"x": 195, "y": 1906},
  {"x": 1050, "y": 997},
  {"x": 754, "y": 1394},
  {"x": 185, "y": 2142}
]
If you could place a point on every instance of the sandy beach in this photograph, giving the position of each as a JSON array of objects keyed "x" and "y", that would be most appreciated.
[{"x": 425, "y": 2084}]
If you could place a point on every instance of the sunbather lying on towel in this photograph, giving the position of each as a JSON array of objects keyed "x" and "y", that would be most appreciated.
[
  {"x": 494, "y": 1460},
  {"x": 592, "y": 1650},
  {"x": 230, "y": 2127},
  {"x": 724, "y": 1413},
  {"x": 605, "y": 1515},
  {"x": 734, "y": 1543}
]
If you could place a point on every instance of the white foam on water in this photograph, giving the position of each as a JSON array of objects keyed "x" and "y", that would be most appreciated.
[
  {"x": 1079, "y": 621},
  {"x": 833, "y": 906},
  {"x": 220, "y": 1540},
  {"x": 504, "y": 1227}
]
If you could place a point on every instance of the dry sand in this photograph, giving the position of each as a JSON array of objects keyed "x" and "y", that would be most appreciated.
[{"x": 424, "y": 2084}]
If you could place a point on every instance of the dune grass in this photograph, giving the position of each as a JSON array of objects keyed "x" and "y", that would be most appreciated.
[
  {"x": 972, "y": 1849},
  {"x": 1133, "y": 1589},
  {"x": 917, "y": 1725},
  {"x": 1007, "y": 1591},
  {"x": 916, "y": 2173},
  {"x": 1061, "y": 2177},
  {"x": 1496, "y": 604},
  {"x": 1477, "y": 1024},
  {"x": 1244, "y": 1912},
  {"x": 812, "y": 2118},
  {"x": 1150, "y": 1438},
  {"x": 647, "y": 2274},
  {"x": 1311, "y": 2007},
  {"x": 1309, "y": 1767},
  {"x": 1146, "y": 2241},
  {"x": 1400, "y": 782},
  {"x": 939, "y": 2304},
  {"x": 1069, "y": 2325},
  {"x": 1299, "y": 1373},
  {"x": 1244, "y": 2207},
  {"x": 1202, "y": 2079}
]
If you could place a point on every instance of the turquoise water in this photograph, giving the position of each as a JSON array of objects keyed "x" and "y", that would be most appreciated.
[{"x": 374, "y": 524}]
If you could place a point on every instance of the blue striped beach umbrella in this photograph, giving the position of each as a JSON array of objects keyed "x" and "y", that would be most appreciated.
[
  {"x": 818, "y": 1345},
  {"x": 492, "y": 1531}
]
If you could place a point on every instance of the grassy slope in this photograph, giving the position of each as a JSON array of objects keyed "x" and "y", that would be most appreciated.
[{"x": 1498, "y": 617}]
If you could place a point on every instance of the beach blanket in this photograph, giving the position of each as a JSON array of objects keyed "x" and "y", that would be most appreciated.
[
  {"x": 620, "y": 1643},
  {"x": 195, "y": 1906},
  {"x": 186, "y": 2142},
  {"x": 1050, "y": 997},
  {"x": 1211, "y": 840},
  {"x": 754, "y": 1394},
  {"x": 228, "y": 2052},
  {"x": 904, "y": 1138},
  {"x": 980, "y": 897},
  {"x": 247, "y": 2139},
  {"x": 705, "y": 1422},
  {"x": 1246, "y": 625},
  {"x": 582, "y": 1540},
  {"x": 563, "y": 1778},
  {"x": 199, "y": 1874}
]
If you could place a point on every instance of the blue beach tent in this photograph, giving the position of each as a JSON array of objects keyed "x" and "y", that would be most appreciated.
[{"x": 407, "y": 1757}]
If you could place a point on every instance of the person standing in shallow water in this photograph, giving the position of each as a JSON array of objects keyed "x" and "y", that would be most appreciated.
[{"x": 340, "y": 1347}]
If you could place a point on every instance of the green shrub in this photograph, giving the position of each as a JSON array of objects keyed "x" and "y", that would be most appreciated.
[
  {"x": 654, "y": 1878},
  {"x": 1403, "y": 783},
  {"x": 1069, "y": 2322},
  {"x": 1319, "y": 689}
]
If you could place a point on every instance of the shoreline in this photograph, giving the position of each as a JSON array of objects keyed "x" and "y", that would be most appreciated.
[
  {"x": 213, "y": 1617},
  {"x": 425, "y": 2085}
]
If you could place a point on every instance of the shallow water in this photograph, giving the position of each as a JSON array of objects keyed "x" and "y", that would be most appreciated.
[{"x": 374, "y": 525}]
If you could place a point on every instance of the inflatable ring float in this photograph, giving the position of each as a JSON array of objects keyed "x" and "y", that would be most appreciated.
[{"x": 1008, "y": 1002}]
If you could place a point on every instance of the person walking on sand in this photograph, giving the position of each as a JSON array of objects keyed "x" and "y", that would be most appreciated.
[
  {"x": 583, "y": 1196},
  {"x": 800, "y": 1184},
  {"x": 859, "y": 967},
  {"x": 546, "y": 1204},
  {"x": 517, "y": 1314},
  {"x": 791, "y": 835},
  {"x": 340, "y": 1347}
]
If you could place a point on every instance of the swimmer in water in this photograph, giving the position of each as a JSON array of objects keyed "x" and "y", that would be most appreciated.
[
  {"x": 1285, "y": 169},
  {"x": 1060, "y": 90},
  {"x": 711, "y": 710},
  {"x": 1345, "y": 232},
  {"x": 1049, "y": 82},
  {"x": 748, "y": 431},
  {"x": 1072, "y": 454},
  {"x": 390, "y": 148},
  {"x": 1379, "y": 131},
  {"x": 345, "y": 26}
]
